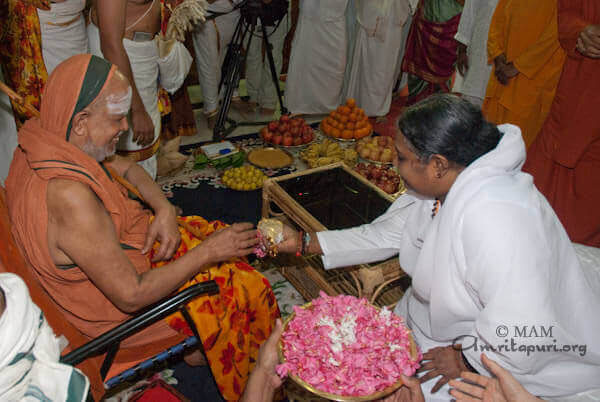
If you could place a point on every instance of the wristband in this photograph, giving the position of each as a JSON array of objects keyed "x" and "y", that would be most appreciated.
[
  {"x": 306, "y": 243},
  {"x": 300, "y": 250}
]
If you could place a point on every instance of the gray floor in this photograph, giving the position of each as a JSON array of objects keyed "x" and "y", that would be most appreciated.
[{"x": 205, "y": 134}]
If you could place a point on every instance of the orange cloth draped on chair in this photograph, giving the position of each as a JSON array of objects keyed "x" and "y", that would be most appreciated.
[
  {"x": 565, "y": 158},
  {"x": 232, "y": 324},
  {"x": 527, "y": 33}
]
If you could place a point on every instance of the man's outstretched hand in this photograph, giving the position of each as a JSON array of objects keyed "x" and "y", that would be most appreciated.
[
  {"x": 503, "y": 388},
  {"x": 236, "y": 240}
]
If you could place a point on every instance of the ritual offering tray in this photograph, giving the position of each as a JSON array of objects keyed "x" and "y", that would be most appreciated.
[
  {"x": 270, "y": 158},
  {"x": 383, "y": 176},
  {"x": 287, "y": 132},
  {"x": 345, "y": 349},
  {"x": 333, "y": 197},
  {"x": 245, "y": 178},
  {"x": 347, "y": 123},
  {"x": 377, "y": 149}
]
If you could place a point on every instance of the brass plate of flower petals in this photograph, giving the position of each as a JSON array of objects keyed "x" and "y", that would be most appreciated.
[{"x": 342, "y": 398}]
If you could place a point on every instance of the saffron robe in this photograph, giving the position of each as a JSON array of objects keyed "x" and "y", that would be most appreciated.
[
  {"x": 232, "y": 324},
  {"x": 526, "y": 33},
  {"x": 565, "y": 158}
]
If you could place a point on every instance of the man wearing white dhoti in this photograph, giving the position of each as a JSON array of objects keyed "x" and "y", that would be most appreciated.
[
  {"x": 147, "y": 65},
  {"x": 63, "y": 32},
  {"x": 492, "y": 268},
  {"x": 259, "y": 82},
  {"x": 318, "y": 60},
  {"x": 379, "y": 43},
  {"x": 29, "y": 351},
  {"x": 210, "y": 46},
  {"x": 472, "y": 62}
]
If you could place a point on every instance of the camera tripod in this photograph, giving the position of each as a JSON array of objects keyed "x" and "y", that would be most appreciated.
[{"x": 251, "y": 10}]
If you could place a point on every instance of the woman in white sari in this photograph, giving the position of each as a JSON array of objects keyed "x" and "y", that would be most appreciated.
[{"x": 492, "y": 267}]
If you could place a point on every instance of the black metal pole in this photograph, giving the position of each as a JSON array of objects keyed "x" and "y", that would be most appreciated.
[{"x": 274, "y": 77}]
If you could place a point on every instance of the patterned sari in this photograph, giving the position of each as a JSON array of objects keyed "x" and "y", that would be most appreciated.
[
  {"x": 431, "y": 48},
  {"x": 233, "y": 324},
  {"x": 21, "y": 52}
]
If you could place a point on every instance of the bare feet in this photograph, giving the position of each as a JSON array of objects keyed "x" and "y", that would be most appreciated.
[
  {"x": 211, "y": 119},
  {"x": 244, "y": 106},
  {"x": 265, "y": 111}
]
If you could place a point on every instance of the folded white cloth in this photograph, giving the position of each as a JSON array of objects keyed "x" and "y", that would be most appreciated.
[
  {"x": 174, "y": 63},
  {"x": 29, "y": 352}
]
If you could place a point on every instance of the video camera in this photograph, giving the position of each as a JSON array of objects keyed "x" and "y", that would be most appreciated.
[{"x": 270, "y": 13}]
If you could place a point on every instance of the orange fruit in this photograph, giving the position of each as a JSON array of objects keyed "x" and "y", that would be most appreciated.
[
  {"x": 361, "y": 124},
  {"x": 335, "y": 132},
  {"x": 347, "y": 134},
  {"x": 326, "y": 128},
  {"x": 351, "y": 102},
  {"x": 353, "y": 117},
  {"x": 344, "y": 110},
  {"x": 344, "y": 119},
  {"x": 363, "y": 132},
  {"x": 350, "y": 126}
]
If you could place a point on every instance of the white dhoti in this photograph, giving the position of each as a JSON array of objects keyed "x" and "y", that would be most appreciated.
[
  {"x": 378, "y": 44},
  {"x": 63, "y": 32},
  {"x": 318, "y": 61},
  {"x": 259, "y": 83},
  {"x": 29, "y": 352},
  {"x": 143, "y": 57},
  {"x": 210, "y": 46},
  {"x": 473, "y": 32}
]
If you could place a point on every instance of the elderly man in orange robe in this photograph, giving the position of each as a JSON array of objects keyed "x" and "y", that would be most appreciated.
[
  {"x": 565, "y": 158},
  {"x": 523, "y": 45}
]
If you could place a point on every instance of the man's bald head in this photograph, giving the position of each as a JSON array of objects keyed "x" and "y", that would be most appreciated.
[
  {"x": 115, "y": 96},
  {"x": 97, "y": 127}
]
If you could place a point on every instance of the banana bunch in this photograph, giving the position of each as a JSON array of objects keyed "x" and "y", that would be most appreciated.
[{"x": 327, "y": 152}]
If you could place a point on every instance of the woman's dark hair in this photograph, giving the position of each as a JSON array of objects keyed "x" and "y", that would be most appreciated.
[{"x": 448, "y": 125}]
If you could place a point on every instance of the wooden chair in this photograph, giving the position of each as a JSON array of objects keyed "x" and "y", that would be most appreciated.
[{"x": 95, "y": 357}]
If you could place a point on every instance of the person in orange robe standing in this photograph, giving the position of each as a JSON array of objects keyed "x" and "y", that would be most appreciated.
[
  {"x": 523, "y": 46},
  {"x": 565, "y": 158}
]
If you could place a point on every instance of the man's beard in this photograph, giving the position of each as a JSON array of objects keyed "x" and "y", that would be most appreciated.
[{"x": 99, "y": 153}]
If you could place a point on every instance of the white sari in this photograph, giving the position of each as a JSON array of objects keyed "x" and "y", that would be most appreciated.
[{"x": 494, "y": 263}]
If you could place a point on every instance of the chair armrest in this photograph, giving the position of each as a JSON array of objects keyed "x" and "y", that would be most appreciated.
[{"x": 144, "y": 319}]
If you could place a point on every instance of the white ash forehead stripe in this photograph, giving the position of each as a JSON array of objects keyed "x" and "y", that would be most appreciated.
[{"x": 119, "y": 104}]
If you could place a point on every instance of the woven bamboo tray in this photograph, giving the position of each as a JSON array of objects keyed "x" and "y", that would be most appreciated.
[{"x": 382, "y": 284}]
